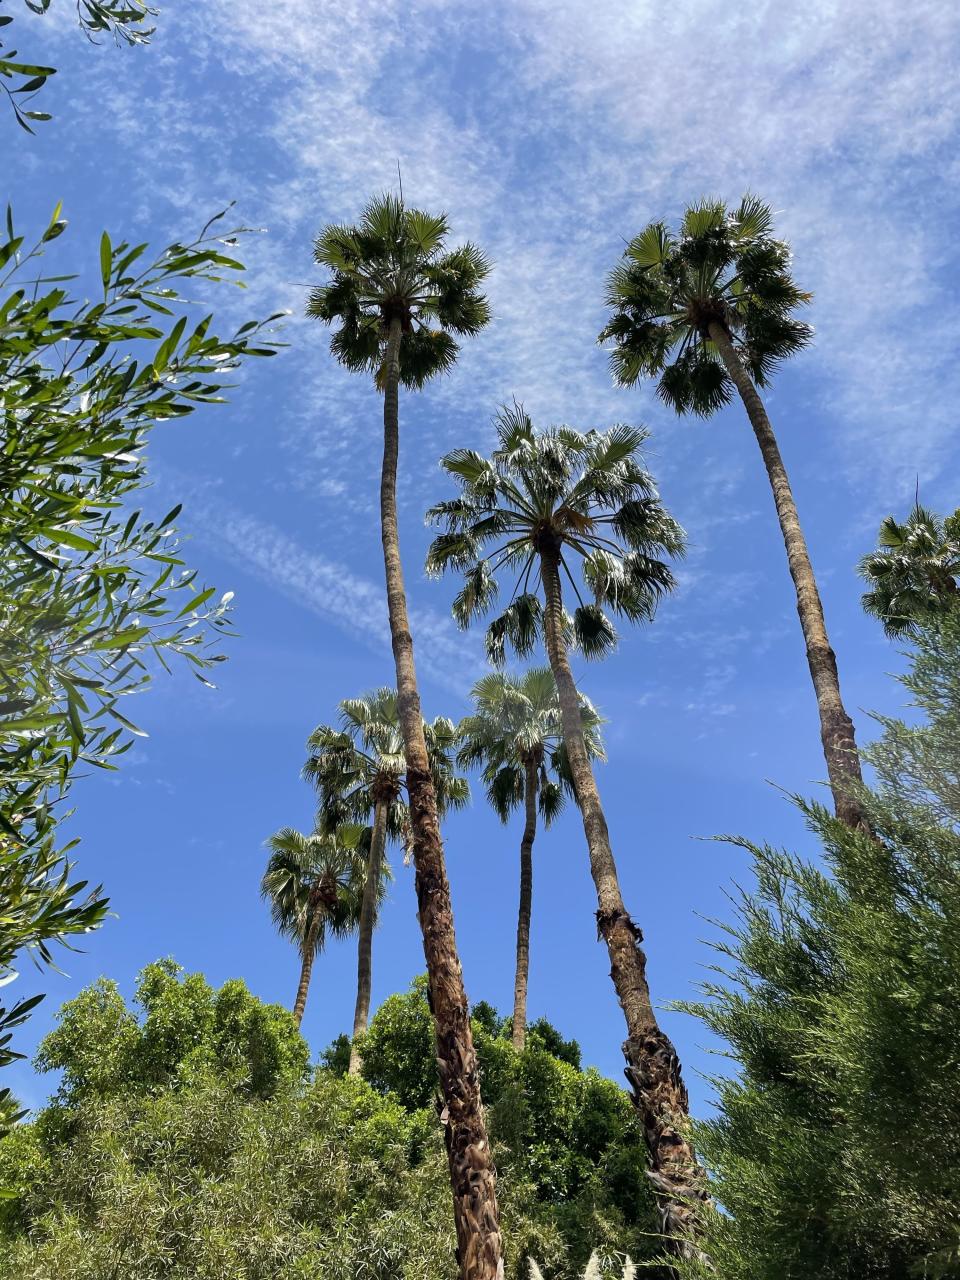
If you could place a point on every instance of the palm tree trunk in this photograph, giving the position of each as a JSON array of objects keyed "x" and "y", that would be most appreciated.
[
  {"x": 653, "y": 1068},
  {"x": 368, "y": 912},
  {"x": 472, "y": 1175},
  {"x": 531, "y": 786},
  {"x": 307, "y": 952},
  {"x": 836, "y": 727}
]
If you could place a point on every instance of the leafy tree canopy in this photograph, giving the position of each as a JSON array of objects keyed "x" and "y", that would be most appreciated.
[
  {"x": 567, "y": 1143},
  {"x": 182, "y": 1030}
]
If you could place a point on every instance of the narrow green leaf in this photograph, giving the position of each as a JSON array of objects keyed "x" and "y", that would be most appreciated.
[
  {"x": 197, "y": 601},
  {"x": 106, "y": 259}
]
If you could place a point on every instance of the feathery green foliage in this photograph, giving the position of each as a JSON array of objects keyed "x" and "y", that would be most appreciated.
[
  {"x": 721, "y": 265},
  {"x": 570, "y": 1154},
  {"x": 395, "y": 263},
  {"x": 516, "y": 719},
  {"x": 836, "y": 1151},
  {"x": 588, "y": 495},
  {"x": 191, "y": 1142},
  {"x": 913, "y": 573}
]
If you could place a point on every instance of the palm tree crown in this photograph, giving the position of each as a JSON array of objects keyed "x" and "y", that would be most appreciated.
[
  {"x": 723, "y": 267},
  {"x": 516, "y": 721},
  {"x": 363, "y": 760},
  {"x": 313, "y": 875},
  {"x": 394, "y": 264},
  {"x": 913, "y": 574},
  {"x": 584, "y": 498}
]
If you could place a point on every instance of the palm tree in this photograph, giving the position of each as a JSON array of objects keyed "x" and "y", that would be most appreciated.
[
  {"x": 359, "y": 771},
  {"x": 515, "y": 734},
  {"x": 313, "y": 885},
  {"x": 398, "y": 296},
  {"x": 707, "y": 312},
  {"x": 913, "y": 575},
  {"x": 546, "y": 504}
]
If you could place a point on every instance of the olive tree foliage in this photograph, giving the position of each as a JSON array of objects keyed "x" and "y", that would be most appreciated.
[
  {"x": 126, "y": 20},
  {"x": 835, "y": 1149},
  {"x": 92, "y": 593}
]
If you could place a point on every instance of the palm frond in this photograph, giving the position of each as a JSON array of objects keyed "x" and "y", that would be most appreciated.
[
  {"x": 652, "y": 246},
  {"x": 550, "y": 800},
  {"x": 593, "y": 632},
  {"x": 519, "y": 626}
]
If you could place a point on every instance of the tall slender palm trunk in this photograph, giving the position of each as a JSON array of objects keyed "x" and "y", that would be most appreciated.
[
  {"x": 530, "y": 789},
  {"x": 368, "y": 912},
  {"x": 307, "y": 952},
  {"x": 653, "y": 1068},
  {"x": 472, "y": 1176},
  {"x": 836, "y": 727}
]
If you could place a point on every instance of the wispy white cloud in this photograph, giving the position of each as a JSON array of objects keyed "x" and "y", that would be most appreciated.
[
  {"x": 353, "y": 603},
  {"x": 551, "y": 132}
]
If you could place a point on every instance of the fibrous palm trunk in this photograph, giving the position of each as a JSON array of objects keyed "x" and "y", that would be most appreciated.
[
  {"x": 836, "y": 727},
  {"x": 530, "y": 789},
  {"x": 653, "y": 1067},
  {"x": 368, "y": 913},
  {"x": 472, "y": 1176},
  {"x": 308, "y": 951}
]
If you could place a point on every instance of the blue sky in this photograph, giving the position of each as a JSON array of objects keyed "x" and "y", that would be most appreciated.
[{"x": 550, "y": 133}]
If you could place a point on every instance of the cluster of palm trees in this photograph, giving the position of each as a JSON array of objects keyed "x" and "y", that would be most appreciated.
[
  {"x": 574, "y": 521},
  {"x": 331, "y": 883}
]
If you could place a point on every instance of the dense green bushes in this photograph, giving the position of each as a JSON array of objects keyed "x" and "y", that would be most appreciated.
[
  {"x": 570, "y": 1154},
  {"x": 194, "y": 1141}
]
